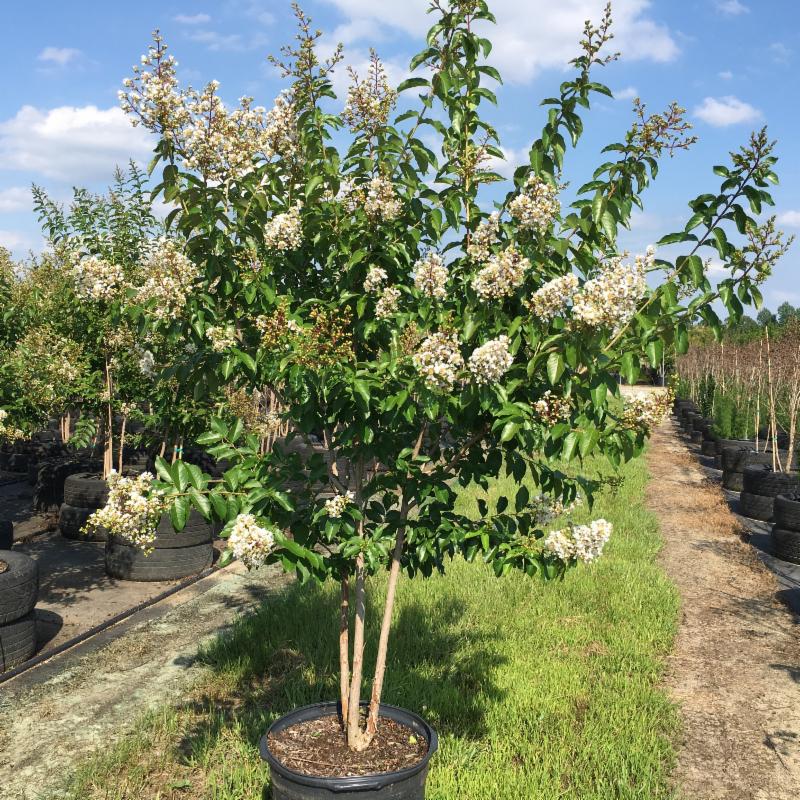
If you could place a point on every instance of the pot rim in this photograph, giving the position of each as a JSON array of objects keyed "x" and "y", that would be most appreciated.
[{"x": 349, "y": 783}]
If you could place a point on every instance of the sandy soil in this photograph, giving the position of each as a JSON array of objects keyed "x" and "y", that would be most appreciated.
[{"x": 735, "y": 669}]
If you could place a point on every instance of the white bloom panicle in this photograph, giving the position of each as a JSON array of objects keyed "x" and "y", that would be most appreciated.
[
  {"x": 480, "y": 244},
  {"x": 489, "y": 362},
  {"x": 381, "y": 201},
  {"x": 647, "y": 412},
  {"x": 249, "y": 542},
  {"x": 387, "y": 303},
  {"x": 170, "y": 277},
  {"x": 284, "y": 231},
  {"x": 547, "y": 509},
  {"x": 7, "y": 432},
  {"x": 98, "y": 280},
  {"x": 280, "y": 127},
  {"x": 579, "y": 542},
  {"x": 369, "y": 102},
  {"x": 147, "y": 363},
  {"x": 375, "y": 280},
  {"x": 553, "y": 299},
  {"x": 439, "y": 361},
  {"x": 430, "y": 276},
  {"x": 336, "y": 506},
  {"x": 221, "y": 337},
  {"x": 132, "y": 512},
  {"x": 552, "y": 409},
  {"x": 536, "y": 206},
  {"x": 504, "y": 273},
  {"x": 612, "y": 298}
]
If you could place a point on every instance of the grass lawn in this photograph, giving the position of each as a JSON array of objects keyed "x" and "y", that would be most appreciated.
[{"x": 537, "y": 691}]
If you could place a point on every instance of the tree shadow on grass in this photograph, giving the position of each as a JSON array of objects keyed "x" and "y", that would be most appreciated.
[{"x": 441, "y": 665}]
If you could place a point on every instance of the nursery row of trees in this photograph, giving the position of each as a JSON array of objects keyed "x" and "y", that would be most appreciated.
[{"x": 750, "y": 387}]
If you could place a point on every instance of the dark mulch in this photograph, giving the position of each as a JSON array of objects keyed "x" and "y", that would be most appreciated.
[{"x": 319, "y": 747}]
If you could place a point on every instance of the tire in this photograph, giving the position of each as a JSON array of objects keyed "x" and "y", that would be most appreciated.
[
  {"x": 71, "y": 520},
  {"x": 737, "y": 460},
  {"x": 196, "y": 531},
  {"x": 129, "y": 563},
  {"x": 732, "y": 481},
  {"x": 6, "y": 534},
  {"x": 19, "y": 586},
  {"x": 787, "y": 512},
  {"x": 729, "y": 459},
  {"x": 85, "y": 490},
  {"x": 741, "y": 443},
  {"x": 761, "y": 479},
  {"x": 756, "y": 506},
  {"x": 708, "y": 448},
  {"x": 785, "y": 544},
  {"x": 17, "y": 641}
]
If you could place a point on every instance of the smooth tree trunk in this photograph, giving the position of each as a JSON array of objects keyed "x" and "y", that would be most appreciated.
[{"x": 344, "y": 649}]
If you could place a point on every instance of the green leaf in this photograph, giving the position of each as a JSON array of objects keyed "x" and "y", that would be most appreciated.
[
  {"x": 510, "y": 430},
  {"x": 179, "y": 512},
  {"x": 555, "y": 367}
]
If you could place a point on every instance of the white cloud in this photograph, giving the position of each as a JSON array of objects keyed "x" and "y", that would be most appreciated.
[
  {"x": 192, "y": 19},
  {"x": 628, "y": 93},
  {"x": 726, "y": 75},
  {"x": 791, "y": 219},
  {"x": 60, "y": 56},
  {"x": 513, "y": 158},
  {"x": 15, "y": 198},
  {"x": 732, "y": 8},
  {"x": 781, "y": 54},
  {"x": 529, "y": 36},
  {"x": 724, "y": 111},
  {"x": 230, "y": 42},
  {"x": 78, "y": 144},
  {"x": 15, "y": 241}
]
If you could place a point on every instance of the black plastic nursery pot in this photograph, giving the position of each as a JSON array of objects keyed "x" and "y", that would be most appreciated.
[{"x": 405, "y": 784}]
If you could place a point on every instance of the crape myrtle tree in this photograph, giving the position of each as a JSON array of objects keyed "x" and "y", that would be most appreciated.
[{"x": 429, "y": 342}]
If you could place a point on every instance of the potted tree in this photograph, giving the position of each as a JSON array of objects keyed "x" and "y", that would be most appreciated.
[{"x": 428, "y": 343}]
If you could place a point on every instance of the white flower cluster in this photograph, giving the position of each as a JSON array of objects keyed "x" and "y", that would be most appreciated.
[
  {"x": 7, "y": 433},
  {"x": 489, "y": 362},
  {"x": 552, "y": 299},
  {"x": 387, "y": 302},
  {"x": 480, "y": 244},
  {"x": 439, "y": 361},
  {"x": 536, "y": 206},
  {"x": 502, "y": 275},
  {"x": 581, "y": 542},
  {"x": 151, "y": 97},
  {"x": 375, "y": 280},
  {"x": 430, "y": 276},
  {"x": 611, "y": 299},
  {"x": 170, "y": 276},
  {"x": 336, "y": 505},
  {"x": 280, "y": 127},
  {"x": 646, "y": 413},
  {"x": 369, "y": 102},
  {"x": 552, "y": 409},
  {"x": 249, "y": 542},
  {"x": 547, "y": 509},
  {"x": 381, "y": 201},
  {"x": 98, "y": 280},
  {"x": 284, "y": 231},
  {"x": 221, "y": 337},
  {"x": 132, "y": 512},
  {"x": 147, "y": 362}
]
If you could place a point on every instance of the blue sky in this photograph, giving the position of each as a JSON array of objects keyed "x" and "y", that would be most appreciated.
[{"x": 731, "y": 63}]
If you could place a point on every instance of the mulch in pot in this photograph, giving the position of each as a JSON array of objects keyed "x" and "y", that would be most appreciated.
[{"x": 319, "y": 747}]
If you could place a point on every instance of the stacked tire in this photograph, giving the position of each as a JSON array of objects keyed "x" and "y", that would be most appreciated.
[
  {"x": 786, "y": 530},
  {"x": 734, "y": 460},
  {"x": 742, "y": 444},
  {"x": 699, "y": 426},
  {"x": 708, "y": 447},
  {"x": 175, "y": 555},
  {"x": 19, "y": 590},
  {"x": 761, "y": 485},
  {"x": 84, "y": 493}
]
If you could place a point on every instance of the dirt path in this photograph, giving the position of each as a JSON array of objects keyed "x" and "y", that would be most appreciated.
[
  {"x": 735, "y": 669},
  {"x": 57, "y": 714}
]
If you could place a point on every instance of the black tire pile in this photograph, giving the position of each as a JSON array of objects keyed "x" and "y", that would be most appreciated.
[
  {"x": 19, "y": 590},
  {"x": 765, "y": 494},
  {"x": 84, "y": 493}
]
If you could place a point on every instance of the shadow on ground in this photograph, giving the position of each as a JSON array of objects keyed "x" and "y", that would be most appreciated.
[{"x": 285, "y": 656}]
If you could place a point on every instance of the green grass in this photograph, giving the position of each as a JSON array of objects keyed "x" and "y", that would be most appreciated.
[{"x": 537, "y": 690}]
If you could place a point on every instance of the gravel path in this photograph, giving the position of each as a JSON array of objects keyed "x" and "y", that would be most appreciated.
[
  {"x": 735, "y": 669},
  {"x": 57, "y": 714}
]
